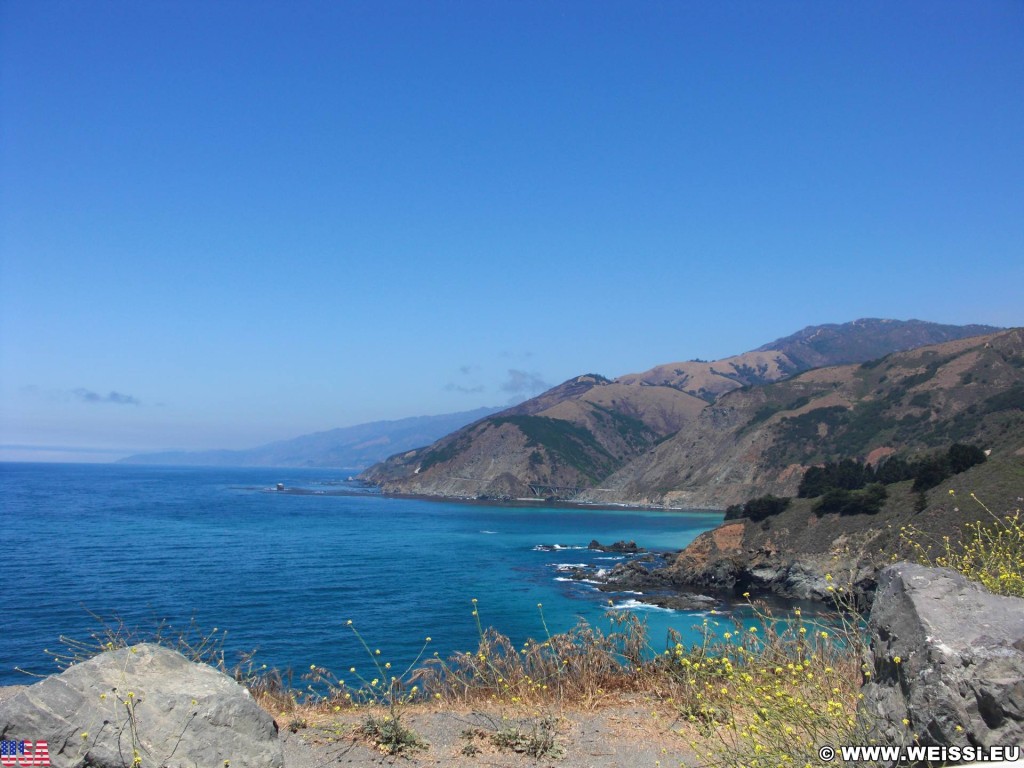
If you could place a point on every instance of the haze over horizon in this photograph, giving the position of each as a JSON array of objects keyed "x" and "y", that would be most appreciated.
[{"x": 227, "y": 224}]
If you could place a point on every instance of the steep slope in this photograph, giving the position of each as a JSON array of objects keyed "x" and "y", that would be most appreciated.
[
  {"x": 913, "y": 404},
  {"x": 761, "y": 439},
  {"x": 576, "y": 435},
  {"x": 803, "y": 555},
  {"x": 566, "y": 439},
  {"x": 353, "y": 447}
]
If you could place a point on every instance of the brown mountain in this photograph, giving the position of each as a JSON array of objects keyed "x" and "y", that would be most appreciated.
[
  {"x": 866, "y": 339},
  {"x": 560, "y": 442},
  {"x": 914, "y": 404},
  {"x": 761, "y": 439},
  {"x": 585, "y": 435}
]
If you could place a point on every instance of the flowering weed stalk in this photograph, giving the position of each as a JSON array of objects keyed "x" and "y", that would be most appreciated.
[
  {"x": 384, "y": 688},
  {"x": 991, "y": 552},
  {"x": 770, "y": 695}
]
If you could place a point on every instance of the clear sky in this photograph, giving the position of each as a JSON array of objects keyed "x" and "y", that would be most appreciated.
[{"x": 223, "y": 223}]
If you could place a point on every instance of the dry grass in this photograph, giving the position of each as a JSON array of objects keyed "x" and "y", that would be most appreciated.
[
  {"x": 765, "y": 696},
  {"x": 583, "y": 667}
]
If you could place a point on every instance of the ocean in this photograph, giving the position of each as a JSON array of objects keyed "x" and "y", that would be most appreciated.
[{"x": 282, "y": 573}]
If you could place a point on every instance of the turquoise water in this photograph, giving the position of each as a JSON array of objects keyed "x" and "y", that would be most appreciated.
[{"x": 283, "y": 572}]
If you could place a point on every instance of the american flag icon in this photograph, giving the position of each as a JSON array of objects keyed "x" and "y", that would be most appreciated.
[{"x": 24, "y": 753}]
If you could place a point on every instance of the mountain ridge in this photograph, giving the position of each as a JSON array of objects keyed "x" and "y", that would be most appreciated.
[
  {"x": 760, "y": 440},
  {"x": 569, "y": 440}
]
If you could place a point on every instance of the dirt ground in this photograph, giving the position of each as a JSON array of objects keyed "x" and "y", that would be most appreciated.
[
  {"x": 629, "y": 733},
  {"x": 625, "y": 735}
]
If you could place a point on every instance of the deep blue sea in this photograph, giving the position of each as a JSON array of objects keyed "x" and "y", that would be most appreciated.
[{"x": 283, "y": 572}]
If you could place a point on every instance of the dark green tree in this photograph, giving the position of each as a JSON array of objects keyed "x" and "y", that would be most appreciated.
[{"x": 962, "y": 457}]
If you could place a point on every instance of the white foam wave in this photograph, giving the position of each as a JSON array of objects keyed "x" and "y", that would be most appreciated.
[
  {"x": 636, "y": 605},
  {"x": 590, "y": 584}
]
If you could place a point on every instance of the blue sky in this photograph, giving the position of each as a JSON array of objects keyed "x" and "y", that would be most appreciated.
[{"x": 227, "y": 223}]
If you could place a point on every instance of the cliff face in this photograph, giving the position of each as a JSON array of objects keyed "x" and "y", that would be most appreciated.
[{"x": 704, "y": 434}]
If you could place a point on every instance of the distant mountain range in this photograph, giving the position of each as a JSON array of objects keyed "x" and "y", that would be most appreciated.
[
  {"x": 700, "y": 433},
  {"x": 352, "y": 448}
]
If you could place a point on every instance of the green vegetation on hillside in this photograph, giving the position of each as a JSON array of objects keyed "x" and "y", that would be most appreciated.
[
  {"x": 852, "y": 487},
  {"x": 926, "y": 472},
  {"x": 765, "y": 412},
  {"x": 912, "y": 401},
  {"x": 447, "y": 452},
  {"x": 634, "y": 432},
  {"x": 572, "y": 443}
]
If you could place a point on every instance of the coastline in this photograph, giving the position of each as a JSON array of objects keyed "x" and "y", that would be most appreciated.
[
  {"x": 492, "y": 502},
  {"x": 529, "y": 502}
]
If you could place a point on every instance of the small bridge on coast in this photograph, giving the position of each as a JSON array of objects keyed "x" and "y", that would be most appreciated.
[{"x": 556, "y": 491}]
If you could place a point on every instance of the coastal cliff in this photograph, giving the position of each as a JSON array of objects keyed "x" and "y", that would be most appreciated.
[{"x": 802, "y": 554}]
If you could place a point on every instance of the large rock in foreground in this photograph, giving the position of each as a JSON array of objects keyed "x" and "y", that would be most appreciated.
[
  {"x": 947, "y": 657},
  {"x": 148, "y": 702}
]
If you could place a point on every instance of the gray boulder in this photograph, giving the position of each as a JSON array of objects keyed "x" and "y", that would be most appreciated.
[
  {"x": 147, "y": 702},
  {"x": 959, "y": 678}
]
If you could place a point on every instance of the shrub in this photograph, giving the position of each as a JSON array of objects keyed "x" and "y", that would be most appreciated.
[
  {"x": 759, "y": 508},
  {"x": 962, "y": 457},
  {"x": 928, "y": 473},
  {"x": 390, "y": 736},
  {"x": 848, "y": 474},
  {"x": 773, "y": 694},
  {"x": 868, "y": 501}
]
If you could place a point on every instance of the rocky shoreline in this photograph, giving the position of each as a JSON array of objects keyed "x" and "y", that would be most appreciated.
[{"x": 641, "y": 577}]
